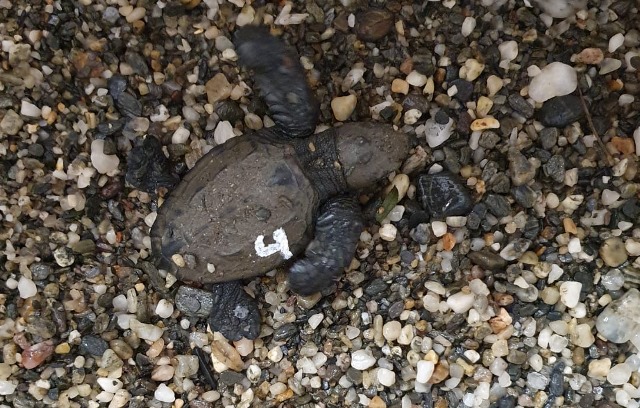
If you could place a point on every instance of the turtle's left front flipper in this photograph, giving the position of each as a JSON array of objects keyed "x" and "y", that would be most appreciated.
[
  {"x": 337, "y": 232},
  {"x": 281, "y": 79}
]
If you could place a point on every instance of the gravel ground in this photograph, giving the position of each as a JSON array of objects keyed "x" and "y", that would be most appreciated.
[{"x": 529, "y": 299}]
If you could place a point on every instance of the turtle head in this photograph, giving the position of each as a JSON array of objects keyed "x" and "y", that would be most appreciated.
[{"x": 369, "y": 151}]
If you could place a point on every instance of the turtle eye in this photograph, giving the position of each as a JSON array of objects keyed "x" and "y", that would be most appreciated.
[{"x": 282, "y": 176}]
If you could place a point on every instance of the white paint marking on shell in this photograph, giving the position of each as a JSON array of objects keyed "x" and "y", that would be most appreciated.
[{"x": 281, "y": 245}]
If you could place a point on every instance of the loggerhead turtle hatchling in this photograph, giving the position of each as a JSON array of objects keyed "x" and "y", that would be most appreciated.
[{"x": 258, "y": 200}]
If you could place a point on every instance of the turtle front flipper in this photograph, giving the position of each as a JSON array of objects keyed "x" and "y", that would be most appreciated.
[
  {"x": 148, "y": 168},
  {"x": 337, "y": 232},
  {"x": 234, "y": 313},
  {"x": 281, "y": 79}
]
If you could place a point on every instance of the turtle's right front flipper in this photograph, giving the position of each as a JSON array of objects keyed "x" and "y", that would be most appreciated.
[
  {"x": 338, "y": 230},
  {"x": 281, "y": 79}
]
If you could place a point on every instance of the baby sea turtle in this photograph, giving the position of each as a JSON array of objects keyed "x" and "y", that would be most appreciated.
[{"x": 258, "y": 200}]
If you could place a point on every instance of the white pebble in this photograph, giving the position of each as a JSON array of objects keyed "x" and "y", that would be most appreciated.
[
  {"x": 103, "y": 163},
  {"x": 386, "y": 377},
  {"x": 164, "y": 308},
  {"x": 391, "y": 330},
  {"x": 416, "y": 79},
  {"x": 411, "y": 116},
  {"x": 436, "y": 133},
  {"x": 164, "y": 393},
  {"x": 609, "y": 65},
  {"x": 275, "y": 354},
  {"x": 555, "y": 79},
  {"x": 574, "y": 246},
  {"x": 388, "y": 232},
  {"x": 461, "y": 302},
  {"x": 223, "y": 132},
  {"x": 26, "y": 288},
  {"x": 181, "y": 135},
  {"x": 424, "y": 371},
  {"x": 619, "y": 374},
  {"x": 570, "y": 293},
  {"x": 145, "y": 331},
  {"x": 110, "y": 384},
  {"x": 468, "y": 25},
  {"x": 609, "y": 197},
  {"x": 353, "y": 77},
  {"x": 616, "y": 42},
  {"x": 508, "y": 50},
  {"x": 439, "y": 228},
  {"x": 7, "y": 387},
  {"x": 396, "y": 213},
  {"x": 29, "y": 109},
  {"x": 315, "y": 320},
  {"x": 632, "y": 246},
  {"x": 362, "y": 360}
]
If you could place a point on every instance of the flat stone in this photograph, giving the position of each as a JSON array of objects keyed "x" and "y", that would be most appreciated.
[
  {"x": 560, "y": 111},
  {"x": 521, "y": 105},
  {"x": 373, "y": 24},
  {"x": 11, "y": 123},
  {"x": 443, "y": 195}
]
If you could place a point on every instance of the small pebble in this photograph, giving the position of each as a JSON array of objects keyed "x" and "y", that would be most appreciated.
[
  {"x": 343, "y": 106},
  {"x": 555, "y": 79},
  {"x": 164, "y": 393}
]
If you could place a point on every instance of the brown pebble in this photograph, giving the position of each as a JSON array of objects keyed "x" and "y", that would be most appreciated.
[
  {"x": 485, "y": 123},
  {"x": 400, "y": 86},
  {"x": 373, "y": 25},
  {"x": 377, "y": 402},
  {"x": 448, "y": 241},
  {"x": 35, "y": 355},
  {"x": 615, "y": 85},
  {"x": 569, "y": 226},
  {"x": 227, "y": 355},
  {"x": 624, "y": 145},
  {"x": 503, "y": 299},
  {"x": 284, "y": 395},
  {"x": 440, "y": 373},
  {"x": 591, "y": 56},
  {"x": 613, "y": 252},
  {"x": 407, "y": 66}
]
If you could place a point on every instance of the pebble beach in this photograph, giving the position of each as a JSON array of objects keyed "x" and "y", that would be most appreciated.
[{"x": 499, "y": 266}]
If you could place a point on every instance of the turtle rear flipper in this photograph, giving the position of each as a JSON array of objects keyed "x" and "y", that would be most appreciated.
[
  {"x": 148, "y": 168},
  {"x": 281, "y": 79},
  {"x": 337, "y": 232},
  {"x": 234, "y": 313}
]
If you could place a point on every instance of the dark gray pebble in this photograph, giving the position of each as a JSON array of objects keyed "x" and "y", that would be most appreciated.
[
  {"x": 548, "y": 137},
  {"x": 285, "y": 332},
  {"x": 524, "y": 195},
  {"x": 40, "y": 271},
  {"x": 230, "y": 111},
  {"x": 194, "y": 302},
  {"x": 93, "y": 345},
  {"x": 231, "y": 378},
  {"x": 498, "y": 205},
  {"x": 443, "y": 195},
  {"x": 489, "y": 139},
  {"x": 375, "y": 287},
  {"x": 487, "y": 260},
  {"x": 560, "y": 111},
  {"x": 521, "y": 105},
  {"x": 129, "y": 105},
  {"x": 554, "y": 168},
  {"x": 421, "y": 234},
  {"x": 465, "y": 89}
]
